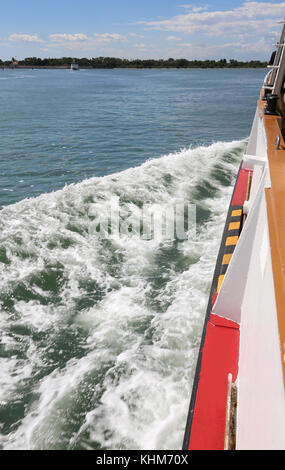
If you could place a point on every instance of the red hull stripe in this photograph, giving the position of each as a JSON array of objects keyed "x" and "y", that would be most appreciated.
[
  {"x": 241, "y": 188},
  {"x": 220, "y": 357},
  {"x": 214, "y": 298}
]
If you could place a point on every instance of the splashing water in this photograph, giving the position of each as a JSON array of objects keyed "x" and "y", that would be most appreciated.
[{"x": 99, "y": 337}]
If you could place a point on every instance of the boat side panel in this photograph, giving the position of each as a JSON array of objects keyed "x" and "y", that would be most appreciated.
[
  {"x": 261, "y": 405},
  {"x": 211, "y": 433},
  {"x": 229, "y": 301}
]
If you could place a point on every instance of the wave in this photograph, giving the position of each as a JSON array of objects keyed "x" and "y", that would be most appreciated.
[{"x": 100, "y": 336}]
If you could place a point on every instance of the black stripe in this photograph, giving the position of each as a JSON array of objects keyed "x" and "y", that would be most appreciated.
[
  {"x": 229, "y": 249},
  {"x": 224, "y": 268},
  {"x": 236, "y": 207},
  {"x": 233, "y": 233}
]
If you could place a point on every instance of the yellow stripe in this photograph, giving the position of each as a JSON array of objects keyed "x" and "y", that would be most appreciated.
[
  {"x": 221, "y": 278},
  {"x": 236, "y": 212},
  {"x": 234, "y": 226},
  {"x": 231, "y": 241},
  {"x": 227, "y": 258}
]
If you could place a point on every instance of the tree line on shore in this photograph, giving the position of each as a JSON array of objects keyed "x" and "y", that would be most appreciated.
[{"x": 114, "y": 62}]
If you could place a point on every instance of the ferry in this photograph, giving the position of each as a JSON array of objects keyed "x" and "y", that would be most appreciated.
[
  {"x": 238, "y": 399},
  {"x": 74, "y": 66}
]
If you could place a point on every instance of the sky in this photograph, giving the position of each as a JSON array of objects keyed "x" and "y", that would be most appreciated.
[{"x": 242, "y": 30}]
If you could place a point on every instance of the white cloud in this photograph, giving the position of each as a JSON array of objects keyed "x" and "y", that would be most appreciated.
[
  {"x": 141, "y": 47},
  {"x": 250, "y": 16},
  {"x": 193, "y": 8},
  {"x": 173, "y": 38},
  {"x": 230, "y": 49},
  {"x": 68, "y": 37},
  {"x": 24, "y": 38},
  {"x": 135, "y": 35},
  {"x": 110, "y": 37}
]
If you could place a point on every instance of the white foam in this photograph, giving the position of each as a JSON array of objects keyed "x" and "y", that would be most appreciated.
[{"x": 145, "y": 338}]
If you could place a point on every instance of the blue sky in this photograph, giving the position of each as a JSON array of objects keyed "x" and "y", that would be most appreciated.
[{"x": 143, "y": 29}]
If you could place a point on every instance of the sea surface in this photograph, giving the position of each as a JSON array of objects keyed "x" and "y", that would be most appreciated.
[{"x": 99, "y": 336}]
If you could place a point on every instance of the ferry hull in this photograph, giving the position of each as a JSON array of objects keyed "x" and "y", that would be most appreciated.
[{"x": 238, "y": 399}]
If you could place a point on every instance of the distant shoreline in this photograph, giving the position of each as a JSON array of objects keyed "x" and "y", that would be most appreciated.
[
  {"x": 67, "y": 67},
  {"x": 39, "y": 67},
  {"x": 117, "y": 63}
]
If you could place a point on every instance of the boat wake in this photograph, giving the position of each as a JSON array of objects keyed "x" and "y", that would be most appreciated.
[{"x": 99, "y": 337}]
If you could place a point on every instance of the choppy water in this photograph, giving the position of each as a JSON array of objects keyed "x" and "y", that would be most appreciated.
[{"x": 99, "y": 337}]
